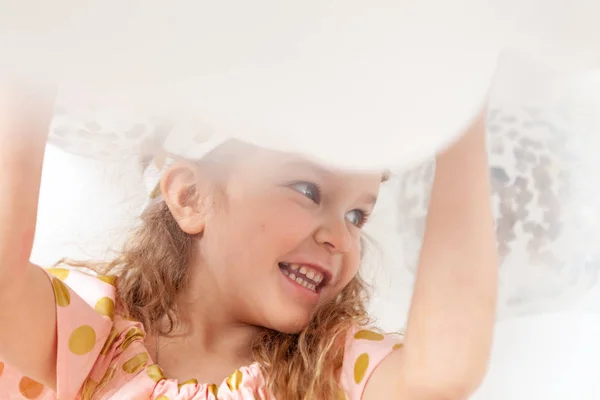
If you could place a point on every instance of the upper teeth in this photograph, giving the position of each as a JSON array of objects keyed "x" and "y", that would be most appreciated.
[{"x": 310, "y": 273}]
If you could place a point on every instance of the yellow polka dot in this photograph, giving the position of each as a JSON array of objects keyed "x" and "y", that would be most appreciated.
[
  {"x": 82, "y": 340},
  {"x": 1, "y": 368},
  {"x": 136, "y": 363},
  {"x": 360, "y": 367},
  {"x": 163, "y": 397},
  {"x": 188, "y": 382},
  {"x": 109, "y": 341},
  {"x": 110, "y": 279},
  {"x": 108, "y": 376},
  {"x": 398, "y": 346},
  {"x": 30, "y": 389},
  {"x": 341, "y": 395},
  {"x": 105, "y": 306},
  {"x": 61, "y": 293},
  {"x": 89, "y": 387},
  {"x": 234, "y": 380},
  {"x": 60, "y": 273},
  {"x": 155, "y": 373},
  {"x": 214, "y": 390},
  {"x": 368, "y": 335},
  {"x": 132, "y": 335}
]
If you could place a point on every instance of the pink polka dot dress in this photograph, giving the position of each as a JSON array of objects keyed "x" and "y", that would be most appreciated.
[{"x": 101, "y": 355}]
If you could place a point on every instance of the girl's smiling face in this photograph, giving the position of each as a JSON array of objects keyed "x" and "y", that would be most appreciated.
[{"x": 282, "y": 235}]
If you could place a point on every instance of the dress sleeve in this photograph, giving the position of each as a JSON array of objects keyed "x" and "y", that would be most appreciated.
[
  {"x": 85, "y": 306},
  {"x": 365, "y": 350},
  {"x": 84, "y": 319}
]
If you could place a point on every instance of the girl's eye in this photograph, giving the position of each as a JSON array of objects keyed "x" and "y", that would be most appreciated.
[
  {"x": 357, "y": 217},
  {"x": 309, "y": 189},
  {"x": 313, "y": 192}
]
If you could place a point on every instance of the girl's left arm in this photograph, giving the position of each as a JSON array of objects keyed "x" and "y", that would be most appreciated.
[{"x": 450, "y": 324}]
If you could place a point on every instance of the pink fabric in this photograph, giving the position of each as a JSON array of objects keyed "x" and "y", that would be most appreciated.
[{"x": 102, "y": 355}]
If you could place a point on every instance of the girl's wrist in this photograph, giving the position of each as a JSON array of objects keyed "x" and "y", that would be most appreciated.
[{"x": 469, "y": 151}]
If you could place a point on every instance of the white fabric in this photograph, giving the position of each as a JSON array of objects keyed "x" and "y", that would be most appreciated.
[
  {"x": 177, "y": 145},
  {"x": 543, "y": 135},
  {"x": 392, "y": 81}
]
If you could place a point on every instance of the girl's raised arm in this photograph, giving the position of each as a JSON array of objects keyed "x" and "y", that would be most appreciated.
[
  {"x": 27, "y": 306},
  {"x": 450, "y": 324}
]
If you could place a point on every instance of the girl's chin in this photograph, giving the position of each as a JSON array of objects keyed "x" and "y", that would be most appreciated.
[{"x": 291, "y": 323}]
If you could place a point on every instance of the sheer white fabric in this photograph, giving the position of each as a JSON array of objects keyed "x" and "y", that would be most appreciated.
[{"x": 543, "y": 138}]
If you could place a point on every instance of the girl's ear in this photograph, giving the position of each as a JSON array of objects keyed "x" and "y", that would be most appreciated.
[{"x": 187, "y": 193}]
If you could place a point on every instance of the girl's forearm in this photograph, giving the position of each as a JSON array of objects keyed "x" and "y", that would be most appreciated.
[
  {"x": 24, "y": 127},
  {"x": 450, "y": 327}
]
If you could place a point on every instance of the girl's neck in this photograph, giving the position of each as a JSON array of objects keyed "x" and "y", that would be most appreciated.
[
  {"x": 207, "y": 355},
  {"x": 206, "y": 344}
]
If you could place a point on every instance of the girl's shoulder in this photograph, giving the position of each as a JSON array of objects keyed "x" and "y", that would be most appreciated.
[
  {"x": 85, "y": 318},
  {"x": 366, "y": 348}
]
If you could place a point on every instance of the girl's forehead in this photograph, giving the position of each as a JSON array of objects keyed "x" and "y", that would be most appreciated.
[
  {"x": 275, "y": 162},
  {"x": 249, "y": 158}
]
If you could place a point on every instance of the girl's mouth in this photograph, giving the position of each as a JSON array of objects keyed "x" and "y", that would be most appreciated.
[{"x": 303, "y": 275}]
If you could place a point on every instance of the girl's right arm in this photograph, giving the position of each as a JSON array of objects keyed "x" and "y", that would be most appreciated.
[{"x": 27, "y": 305}]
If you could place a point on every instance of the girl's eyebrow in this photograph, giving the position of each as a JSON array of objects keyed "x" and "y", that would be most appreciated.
[
  {"x": 304, "y": 164},
  {"x": 367, "y": 198},
  {"x": 300, "y": 164},
  {"x": 370, "y": 199}
]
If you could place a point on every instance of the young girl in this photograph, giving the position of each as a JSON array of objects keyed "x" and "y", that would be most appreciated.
[{"x": 243, "y": 282}]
